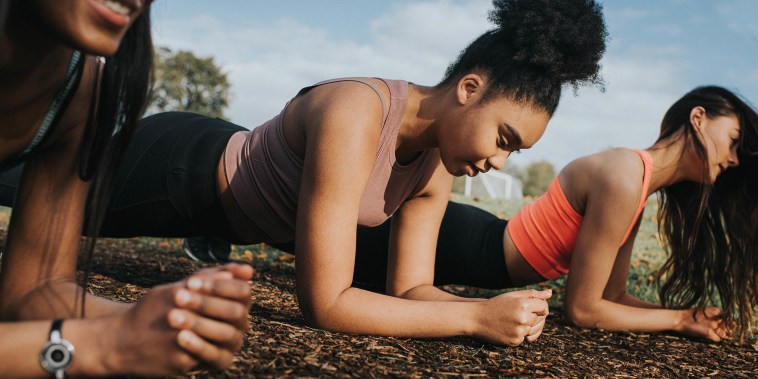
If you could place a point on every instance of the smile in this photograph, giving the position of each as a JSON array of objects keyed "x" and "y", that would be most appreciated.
[{"x": 119, "y": 7}]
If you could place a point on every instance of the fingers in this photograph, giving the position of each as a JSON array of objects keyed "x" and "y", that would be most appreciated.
[
  {"x": 236, "y": 270},
  {"x": 220, "y": 333},
  {"x": 534, "y": 294},
  {"x": 204, "y": 351},
  {"x": 538, "y": 307},
  {"x": 225, "y": 310},
  {"x": 227, "y": 288},
  {"x": 544, "y": 294},
  {"x": 536, "y": 330},
  {"x": 240, "y": 271},
  {"x": 713, "y": 335}
]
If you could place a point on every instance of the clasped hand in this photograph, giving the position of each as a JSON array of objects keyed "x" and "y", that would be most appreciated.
[
  {"x": 513, "y": 317},
  {"x": 201, "y": 320}
]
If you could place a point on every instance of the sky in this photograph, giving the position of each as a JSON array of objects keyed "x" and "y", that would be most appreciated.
[{"x": 657, "y": 51}]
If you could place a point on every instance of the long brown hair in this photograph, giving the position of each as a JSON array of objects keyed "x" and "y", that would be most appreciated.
[
  {"x": 121, "y": 100},
  {"x": 709, "y": 230}
]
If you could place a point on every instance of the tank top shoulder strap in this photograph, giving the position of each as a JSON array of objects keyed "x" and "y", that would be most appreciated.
[
  {"x": 359, "y": 80},
  {"x": 647, "y": 161}
]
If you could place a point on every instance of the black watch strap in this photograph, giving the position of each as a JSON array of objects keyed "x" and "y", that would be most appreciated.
[{"x": 58, "y": 353}]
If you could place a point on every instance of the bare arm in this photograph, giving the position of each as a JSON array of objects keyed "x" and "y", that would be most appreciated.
[
  {"x": 38, "y": 277},
  {"x": 413, "y": 243},
  {"x": 615, "y": 290},
  {"x": 596, "y": 290},
  {"x": 341, "y": 146}
]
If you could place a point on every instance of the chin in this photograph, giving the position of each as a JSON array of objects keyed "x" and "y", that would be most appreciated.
[{"x": 99, "y": 43}]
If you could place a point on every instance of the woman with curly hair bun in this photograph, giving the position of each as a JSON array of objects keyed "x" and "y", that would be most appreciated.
[{"x": 355, "y": 151}]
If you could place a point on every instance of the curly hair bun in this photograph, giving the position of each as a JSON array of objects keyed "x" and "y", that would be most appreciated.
[{"x": 564, "y": 38}]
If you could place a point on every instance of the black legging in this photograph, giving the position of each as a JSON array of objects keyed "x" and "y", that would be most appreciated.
[{"x": 166, "y": 187}]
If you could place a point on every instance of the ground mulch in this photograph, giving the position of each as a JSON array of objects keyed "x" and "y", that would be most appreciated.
[{"x": 280, "y": 345}]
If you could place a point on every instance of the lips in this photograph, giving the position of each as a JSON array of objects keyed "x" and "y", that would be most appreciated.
[
  {"x": 472, "y": 170},
  {"x": 116, "y": 13}
]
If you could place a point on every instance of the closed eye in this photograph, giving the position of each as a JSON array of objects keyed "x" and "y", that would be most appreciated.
[{"x": 502, "y": 143}]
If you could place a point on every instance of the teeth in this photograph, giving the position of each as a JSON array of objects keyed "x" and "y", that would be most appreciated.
[{"x": 116, "y": 7}]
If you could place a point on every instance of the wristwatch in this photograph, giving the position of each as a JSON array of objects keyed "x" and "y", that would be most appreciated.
[{"x": 58, "y": 353}]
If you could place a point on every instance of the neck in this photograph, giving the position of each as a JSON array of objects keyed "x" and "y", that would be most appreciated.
[
  {"x": 417, "y": 130},
  {"x": 669, "y": 168}
]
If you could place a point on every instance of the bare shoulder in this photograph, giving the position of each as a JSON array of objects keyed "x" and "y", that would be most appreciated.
[
  {"x": 613, "y": 173},
  {"x": 344, "y": 99},
  {"x": 348, "y": 111}
]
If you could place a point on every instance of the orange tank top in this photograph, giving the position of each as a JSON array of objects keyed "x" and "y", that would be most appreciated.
[{"x": 545, "y": 231}]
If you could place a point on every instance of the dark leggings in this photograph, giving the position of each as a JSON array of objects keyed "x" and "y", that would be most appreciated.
[
  {"x": 166, "y": 184},
  {"x": 166, "y": 187},
  {"x": 469, "y": 251}
]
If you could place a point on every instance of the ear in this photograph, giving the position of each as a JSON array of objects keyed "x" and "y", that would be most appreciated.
[
  {"x": 469, "y": 88},
  {"x": 697, "y": 117}
]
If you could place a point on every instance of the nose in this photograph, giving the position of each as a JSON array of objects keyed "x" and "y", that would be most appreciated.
[
  {"x": 734, "y": 161},
  {"x": 498, "y": 161}
]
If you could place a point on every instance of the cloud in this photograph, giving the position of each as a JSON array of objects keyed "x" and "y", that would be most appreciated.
[
  {"x": 740, "y": 16},
  {"x": 268, "y": 62},
  {"x": 628, "y": 114}
]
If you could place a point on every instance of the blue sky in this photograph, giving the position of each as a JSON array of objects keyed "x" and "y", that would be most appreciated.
[{"x": 657, "y": 51}]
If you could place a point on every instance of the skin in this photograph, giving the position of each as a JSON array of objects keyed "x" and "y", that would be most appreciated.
[
  {"x": 608, "y": 199},
  {"x": 176, "y": 326},
  {"x": 323, "y": 128}
]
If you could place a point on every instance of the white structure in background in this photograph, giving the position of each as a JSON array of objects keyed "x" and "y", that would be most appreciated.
[{"x": 495, "y": 184}]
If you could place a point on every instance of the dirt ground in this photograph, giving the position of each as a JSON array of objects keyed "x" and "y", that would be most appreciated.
[{"x": 280, "y": 345}]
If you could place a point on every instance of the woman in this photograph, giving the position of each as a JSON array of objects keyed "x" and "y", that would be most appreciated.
[
  {"x": 355, "y": 151},
  {"x": 704, "y": 167},
  {"x": 63, "y": 111}
]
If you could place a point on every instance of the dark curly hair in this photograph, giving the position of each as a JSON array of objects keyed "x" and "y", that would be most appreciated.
[
  {"x": 537, "y": 47},
  {"x": 709, "y": 230}
]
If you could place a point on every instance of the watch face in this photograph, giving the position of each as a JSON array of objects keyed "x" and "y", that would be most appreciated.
[{"x": 56, "y": 355}]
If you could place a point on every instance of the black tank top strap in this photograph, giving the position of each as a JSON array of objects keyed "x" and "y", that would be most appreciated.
[{"x": 359, "y": 80}]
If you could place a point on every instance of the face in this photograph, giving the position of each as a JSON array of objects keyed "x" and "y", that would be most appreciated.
[
  {"x": 720, "y": 136},
  {"x": 93, "y": 26},
  {"x": 478, "y": 137}
]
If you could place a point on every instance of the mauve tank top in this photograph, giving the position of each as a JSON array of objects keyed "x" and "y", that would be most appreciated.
[{"x": 264, "y": 173}]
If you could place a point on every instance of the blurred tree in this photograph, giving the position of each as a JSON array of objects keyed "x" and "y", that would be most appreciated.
[
  {"x": 537, "y": 177},
  {"x": 184, "y": 82},
  {"x": 513, "y": 170},
  {"x": 459, "y": 184}
]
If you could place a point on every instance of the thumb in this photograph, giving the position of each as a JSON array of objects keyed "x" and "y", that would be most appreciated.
[
  {"x": 240, "y": 270},
  {"x": 544, "y": 294}
]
